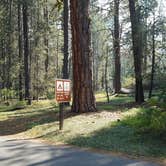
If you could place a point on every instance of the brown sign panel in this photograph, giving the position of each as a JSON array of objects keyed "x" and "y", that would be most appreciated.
[{"x": 63, "y": 90}]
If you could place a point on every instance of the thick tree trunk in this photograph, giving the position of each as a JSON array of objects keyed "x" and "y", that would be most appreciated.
[
  {"x": 20, "y": 51},
  {"x": 153, "y": 59},
  {"x": 117, "y": 76},
  {"x": 83, "y": 97},
  {"x": 137, "y": 51},
  {"x": 65, "y": 29},
  {"x": 26, "y": 53}
]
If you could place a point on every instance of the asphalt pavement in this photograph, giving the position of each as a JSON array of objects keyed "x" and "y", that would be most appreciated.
[{"x": 30, "y": 153}]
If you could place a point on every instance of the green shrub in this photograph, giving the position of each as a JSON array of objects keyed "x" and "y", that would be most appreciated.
[
  {"x": 159, "y": 101},
  {"x": 129, "y": 82},
  {"x": 151, "y": 120},
  {"x": 162, "y": 96},
  {"x": 158, "y": 121},
  {"x": 8, "y": 93},
  {"x": 153, "y": 101}
]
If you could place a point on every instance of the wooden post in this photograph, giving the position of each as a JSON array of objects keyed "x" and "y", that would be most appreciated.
[{"x": 61, "y": 118}]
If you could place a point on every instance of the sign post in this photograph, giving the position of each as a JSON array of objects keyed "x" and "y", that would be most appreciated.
[
  {"x": 61, "y": 117},
  {"x": 63, "y": 94}
]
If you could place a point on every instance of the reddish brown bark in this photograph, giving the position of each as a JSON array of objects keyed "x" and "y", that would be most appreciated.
[{"x": 83, "y": 97}]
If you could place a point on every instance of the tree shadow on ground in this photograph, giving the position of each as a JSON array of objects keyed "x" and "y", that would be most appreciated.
[
  {"x": 11, "y": 109},
  {"x": 19, "y": 124},
  {"x": 113, "y": 107},
  {"x": 125, "y": 139}
]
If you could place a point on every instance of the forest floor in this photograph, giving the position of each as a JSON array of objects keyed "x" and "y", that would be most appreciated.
[{"x": 105, "y": 129}]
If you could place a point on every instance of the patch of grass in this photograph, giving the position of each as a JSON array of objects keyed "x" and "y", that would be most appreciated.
[
  {"x": 20, "y": 120},
  {"x": 114, "y": 99},
  {"x": 121, "y": 99},
  {"x": 101, "y": 97},
  {"x": 107, "y": 107},
  {"x": 119, "y": 102},
  {"x": 21, "y": 110},
  {"x": 123, "y": 139}
]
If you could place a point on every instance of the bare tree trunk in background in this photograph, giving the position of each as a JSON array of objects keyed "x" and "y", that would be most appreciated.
[
  {"x": 57, "y": 57},
  {"x": 117, "y": 76},
  {"x": 46, "y": 44},
  {"x": 145, "y": 49},
  {"x": 153, "y": 58},
  {"x": 106, "y": 81},
  {"x": 145, "y": 38},
  {"x": 93, "y": 66},
  {"x": 102, "y": 76},
  {"x": 137, "y": 51},
  {"x": 83, "y": 97},
  {"x": 36, "y": 68},
  {"x": 46, "y": 41},
  {"x": 2, "y": 69},
  {"x": 145, "y": 54},
  {"x": 3, "y": 65},
  {"x": 20, "y": 52},
  {"x": 97, "y": 74},
  {"x": 9, "y": 52},
  {"x": 26, "y": 52}
]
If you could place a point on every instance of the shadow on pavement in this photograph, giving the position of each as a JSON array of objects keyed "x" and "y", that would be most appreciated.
[{"x": 26, "y": 153}]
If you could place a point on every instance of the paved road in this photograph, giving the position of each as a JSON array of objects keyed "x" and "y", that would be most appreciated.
[{"x": 30, "y": 153}]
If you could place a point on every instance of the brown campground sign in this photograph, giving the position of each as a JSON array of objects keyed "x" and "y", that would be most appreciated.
[{"x": 63, "y": 90}]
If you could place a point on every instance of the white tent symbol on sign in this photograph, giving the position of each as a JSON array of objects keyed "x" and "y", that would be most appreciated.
[{"x": 59, "y": 86}]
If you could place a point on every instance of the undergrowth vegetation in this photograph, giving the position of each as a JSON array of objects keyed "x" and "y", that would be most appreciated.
[{"x": 148, "y": 121}]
